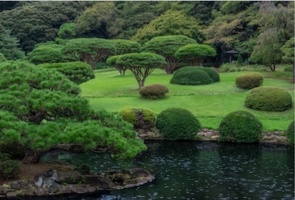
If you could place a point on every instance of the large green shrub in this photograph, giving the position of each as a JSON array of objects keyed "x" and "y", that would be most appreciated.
[
  {"x": 140, "y": 118},
  {"x": 78, "y": 72},
  {"x": 177, "y": 124},
  {"x": 155, "y": 91},
  {"x": 14, "y": 148},
  {"x": 249, "y": 81},
  {"x": 290, "y": 132},
  {"x": 241, "y": 127},
  {"x": 268, "y": 99},
  {"x": 191, "y": 76}
]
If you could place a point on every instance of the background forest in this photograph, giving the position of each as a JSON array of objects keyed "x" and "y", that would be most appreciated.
[{"x": 262, "y": 32}]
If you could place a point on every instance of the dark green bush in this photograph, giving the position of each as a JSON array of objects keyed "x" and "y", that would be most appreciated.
[
  {"x": 212, "y": 73},
  {"x": 8, "y": 168},
  {"x": 191, "y": 76},
  {"x": 269, "y": 99},
  {"x": 78, "y": 72},
  {"x": 290, "y": 133},
  {"x": 177, "y": 124},
  {"x": 83, "y": 169},
  {"x": 140, "y": 118},
  {"x": 155, "y": 91},
  {"x": 15, "y": 149},
  {"x": 249, "y": 81},
  {"x": 241, "y": 127}
]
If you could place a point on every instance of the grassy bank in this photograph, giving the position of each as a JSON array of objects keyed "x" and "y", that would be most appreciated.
[{"x": 209, "y": 103}]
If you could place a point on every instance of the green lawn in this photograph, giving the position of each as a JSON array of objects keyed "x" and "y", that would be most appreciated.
[{"x": 209, "y": 103}]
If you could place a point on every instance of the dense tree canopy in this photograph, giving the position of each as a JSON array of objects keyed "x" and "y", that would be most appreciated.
[
  {"x": 47, "y": 53},
  {"x": 194, "y": 54},
  {"x": 89, "y": 50},
  {"x": 170, "y": 23},
  {"x": 141, "y": 64},
  {"x": 42, "y": 108},
  {"x": 166, "y": 46}
]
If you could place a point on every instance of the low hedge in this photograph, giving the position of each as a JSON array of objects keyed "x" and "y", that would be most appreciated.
[
  {"x": 240, "y": 127},
  {"x": 177, "y": 124},
  {"x": 273, "y": 99},
  {"x": 140, "y": 118},
  {"x": 191, "y": 76},
  {"x": 249, "y": 81},
  {"x": 155, "y": 91}
]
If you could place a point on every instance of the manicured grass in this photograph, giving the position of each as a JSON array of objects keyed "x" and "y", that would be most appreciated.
[{"x": 209, "y": 103}]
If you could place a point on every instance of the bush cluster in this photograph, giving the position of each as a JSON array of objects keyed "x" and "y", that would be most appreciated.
[
  {"x": 194, "y": 76},
  {"x": 155, "y": 91},
  {"x": 249, "y": 81},
  {"x": 240, "y": 127},
  {"x": 177, "y": 124},
  {"x": 268, "y": 99},
  {"x": 290, "y": 132},
  {"x": 8, "y": 168},
  {"x": 140, "y": 118}
]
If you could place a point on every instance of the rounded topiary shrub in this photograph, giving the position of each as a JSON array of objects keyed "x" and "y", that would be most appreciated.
[
  {"x": 140, "y": 118},
  {"x": 155, "y": 91},
  {"x": 268, "y": 99},
  {"x": 241, "y": 127},
  {"x": 249, "y": 81},
  {"x": 191, "y": 76},
  {"x": 290, "y": 133},
  {"x": 212, "y": 73},
  {"x": 177, "y": 124}
]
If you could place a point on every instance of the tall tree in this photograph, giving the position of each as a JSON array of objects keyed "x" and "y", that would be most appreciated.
[
  {"x": 141, "y": 64},
  {"x": 35, "y": 22},
  {"x": 276, "y": 28},
  {"x": 170, "y": 23},
  {"x": 89, "y": 50},
  {"x": 166, "y": 46},
  {"x": 9, "y": 45}
]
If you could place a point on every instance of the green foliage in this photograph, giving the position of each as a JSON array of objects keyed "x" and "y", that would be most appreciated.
[
  {"x": 89, "y": 50},
  {"x": 212, "y": 73},
  {"x": 288, "y": 51},
  {"x": 170, "y": 23},
  {"x": 273, "y": 99},
  {"x": 177, "y": 124},
  {"x": 140, "y": 118},
  {"x": 78, "y": 72},
  {"x": 126, "y": 46},
  {"x": 47, "y": 53},
  {"x": 191, "y": 76},
  {"x": 141, "y": 64},
  {"x": 155, "y": 91},
  {"x": 2, "y": 57},
  {"x": 9, "y": 45},
  {"x": 249, "y": 81},
  {"x": 67, "y": 31},
  {"x": 166, "y": 46},
  {"x": 240, "y": 127},
  {"x": 290, "y": 132},
  {"x": 9, "y": 169},
  {"x": 112, "y": 61},
  {"x": 194, "y": 54},
  {"x": 35, "y": 22}
]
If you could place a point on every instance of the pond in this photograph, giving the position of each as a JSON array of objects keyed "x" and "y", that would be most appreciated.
[{"x": 190, "y": 170}]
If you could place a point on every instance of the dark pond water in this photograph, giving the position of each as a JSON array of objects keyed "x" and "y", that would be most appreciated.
[{"x": 189, "y": 170}]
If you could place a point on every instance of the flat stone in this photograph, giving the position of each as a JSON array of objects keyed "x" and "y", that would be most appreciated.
[
  {"x": 201, "y": 134},
  {"x": 208, "y": 134},
  {"x": 215, "y": 137},
  {"x": 78, "y": 189},
  {"x": 11, "y": 194}
]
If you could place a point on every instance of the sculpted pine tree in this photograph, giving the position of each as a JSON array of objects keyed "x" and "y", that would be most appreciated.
[
  {"x": 166, "y": 46},
  {"x": 89, "y": 50},
  {"x": 41, "y": 108},
  {"x": 141, "y": 64}
]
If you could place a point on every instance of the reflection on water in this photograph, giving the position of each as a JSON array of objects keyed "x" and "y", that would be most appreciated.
[{"x": 189, "y": 170}]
